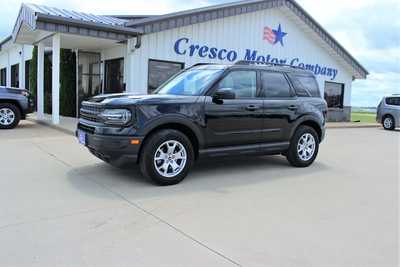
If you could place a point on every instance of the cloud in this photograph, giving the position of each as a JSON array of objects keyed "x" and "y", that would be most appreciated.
[{"x": 370, "y": 31}]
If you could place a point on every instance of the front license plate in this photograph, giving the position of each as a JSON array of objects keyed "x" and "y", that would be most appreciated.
[{"x": 82, "y": 138}]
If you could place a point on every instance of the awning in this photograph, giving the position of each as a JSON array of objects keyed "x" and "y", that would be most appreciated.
[{"x": 35, "y": 22}]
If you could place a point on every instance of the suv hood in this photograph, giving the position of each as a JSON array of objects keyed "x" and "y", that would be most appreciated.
[
  {"x": 13, "y": 90},
  {"x": 131, "y": 99}
]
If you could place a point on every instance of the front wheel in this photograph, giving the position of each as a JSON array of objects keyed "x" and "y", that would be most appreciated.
[
  {"x": 9, "y": 116},
  {"x": 304, "y": 146},
  {"x": 388, "y": 123},
  {"x": 167, "y": 157}
]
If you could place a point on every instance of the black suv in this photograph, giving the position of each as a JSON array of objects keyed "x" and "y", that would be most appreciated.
[{"x": 208, "y": 111}]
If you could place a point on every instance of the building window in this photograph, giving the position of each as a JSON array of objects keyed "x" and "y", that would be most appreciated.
[
  {"x": 15, "y": 76},
  {"x": 274, "y": 85},
  {"x": 161, "y": 71},
  {"x": 3, "y": 77},
  {"x": 334, "y": 94},
  {"x": 27, "y": 72},
  {"x": 114, "y": 73}
]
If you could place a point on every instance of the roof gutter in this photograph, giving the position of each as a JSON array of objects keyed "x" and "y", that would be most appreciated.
[{"x": 7, "y": 39}]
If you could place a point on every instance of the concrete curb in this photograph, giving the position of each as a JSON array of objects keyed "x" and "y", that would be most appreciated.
[
  {"x": 55, "y": 127},
  {"x": 352, "y": 126}
]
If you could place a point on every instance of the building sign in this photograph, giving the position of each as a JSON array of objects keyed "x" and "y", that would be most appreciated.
[
  {"x": 274, "y": 36},
  {"x": 183, "y": 46}
]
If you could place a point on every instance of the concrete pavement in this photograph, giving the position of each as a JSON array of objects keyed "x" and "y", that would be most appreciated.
[{"x": 59, "y": 206}]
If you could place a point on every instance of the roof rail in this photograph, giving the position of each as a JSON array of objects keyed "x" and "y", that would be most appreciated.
[
  {"x": 201, "y": 64},
  {"x": 249, "y": 62}
]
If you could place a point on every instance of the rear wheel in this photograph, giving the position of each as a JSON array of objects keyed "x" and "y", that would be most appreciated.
[
  {"x": 388, "y": 122},
  {"x": 9, "y": 116},
  {"x": 167, "y": 157},
  {"x": 303, "y": 148}
]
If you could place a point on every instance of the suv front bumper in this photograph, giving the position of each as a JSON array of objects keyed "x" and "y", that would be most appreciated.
[{"x": 117, "y": 150}]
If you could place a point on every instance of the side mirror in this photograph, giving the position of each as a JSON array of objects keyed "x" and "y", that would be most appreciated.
[{"x": 224, "y": 93}]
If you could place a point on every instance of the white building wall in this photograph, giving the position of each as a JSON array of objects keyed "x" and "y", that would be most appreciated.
[
  {"x": 12, "y": 54},
  {"x": 236, "y": 33},
  {"x": 3, "y": 59}
]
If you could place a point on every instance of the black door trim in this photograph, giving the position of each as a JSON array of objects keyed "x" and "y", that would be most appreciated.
[{"x": 263, "y": 149}]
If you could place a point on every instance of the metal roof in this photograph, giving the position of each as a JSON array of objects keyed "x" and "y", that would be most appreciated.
[
  {"x": 198, "y": 11},
  {"x": 69, "y": 14},
  {"x": 39, "y": 17},
  {"x": 189, "y": 17}
]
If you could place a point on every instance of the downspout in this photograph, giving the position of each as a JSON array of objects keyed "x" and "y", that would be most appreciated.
[
  {"x": 77, "y": 81},
  {"x": 138, "y": 41}
]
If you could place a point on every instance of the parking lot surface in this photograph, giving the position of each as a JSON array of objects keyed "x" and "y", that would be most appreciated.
[{"x": 60, "y": 206}]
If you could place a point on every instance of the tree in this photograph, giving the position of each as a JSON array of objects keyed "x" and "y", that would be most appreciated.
[
  {"x": 68, "y": 83},
  {"x": 33, "y": 74}
]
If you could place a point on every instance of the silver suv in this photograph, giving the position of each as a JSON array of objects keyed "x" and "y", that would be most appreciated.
[{"x": 389, "y": 112}]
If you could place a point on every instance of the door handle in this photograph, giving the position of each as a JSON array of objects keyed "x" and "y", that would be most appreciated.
[
  {"x": 252, "y": 108},
  {"x": 293, "y": 107}
]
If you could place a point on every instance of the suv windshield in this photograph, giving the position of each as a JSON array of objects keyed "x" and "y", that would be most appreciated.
[{"x": 189, "y": 83}]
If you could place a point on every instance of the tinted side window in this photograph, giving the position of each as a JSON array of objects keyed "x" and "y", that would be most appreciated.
[
  {"x": 393, "y": 101},
  {"x": 274, "y": 84},
  {"x": 243, "y": 83},
  {"x": 305, "y": 85}
]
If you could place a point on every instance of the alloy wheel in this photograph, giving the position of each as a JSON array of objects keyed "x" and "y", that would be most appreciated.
[
  {"x": 7, "y": 116},
  {"x": 388, "y": 123},
  {"x": 170, "y": 158},
  {"x": 306, "y": 147}
]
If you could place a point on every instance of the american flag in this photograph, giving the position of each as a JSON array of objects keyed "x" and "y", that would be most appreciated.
[{"x": 269, "y": 35}]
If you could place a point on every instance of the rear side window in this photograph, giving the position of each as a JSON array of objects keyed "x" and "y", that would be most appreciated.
[
  {"x": 305, "y": 85},
  {"x": 393, "y": 101},
  {"x": 274, "y": 84}
]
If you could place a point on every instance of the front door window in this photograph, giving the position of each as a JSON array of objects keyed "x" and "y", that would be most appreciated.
[{"x": 242, "y": 83}]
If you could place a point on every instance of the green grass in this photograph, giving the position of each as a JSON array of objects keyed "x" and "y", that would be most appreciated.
[{"x": 366, "y": 117}]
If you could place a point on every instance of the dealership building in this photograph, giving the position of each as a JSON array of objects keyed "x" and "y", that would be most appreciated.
[{"x": 136, "y": 54}]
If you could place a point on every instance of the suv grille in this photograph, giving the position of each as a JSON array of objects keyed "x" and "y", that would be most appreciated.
[{"x": 90, "y": 112}]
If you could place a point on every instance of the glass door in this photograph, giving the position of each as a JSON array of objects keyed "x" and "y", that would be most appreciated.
[
  {"x": 89, "y": 76},
  {"x": 114, "y": 76}
]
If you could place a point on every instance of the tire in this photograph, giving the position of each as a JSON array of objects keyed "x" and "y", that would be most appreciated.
[
  {"x": 388, "y": 123},
  {"x": 172, "y": 166},
  {"x": 304, "y": 147},
  {"x": 10, "y": 116}
]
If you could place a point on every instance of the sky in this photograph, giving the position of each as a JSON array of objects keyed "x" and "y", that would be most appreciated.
[{"x": 368, "y": 29}]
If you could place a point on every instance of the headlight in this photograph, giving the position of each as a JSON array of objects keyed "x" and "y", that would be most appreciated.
[
  {"x": 116, "y": 116},
  {"x": 25, "y": 93}
]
